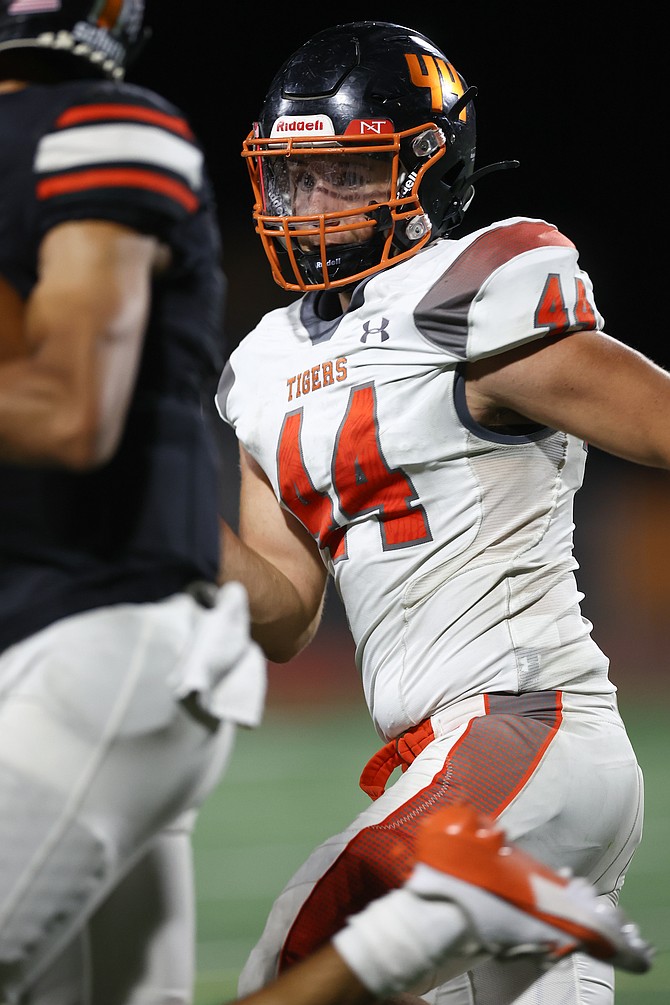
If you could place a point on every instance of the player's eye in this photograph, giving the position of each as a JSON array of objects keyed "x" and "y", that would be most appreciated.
[{"x": 305, "y": 181}]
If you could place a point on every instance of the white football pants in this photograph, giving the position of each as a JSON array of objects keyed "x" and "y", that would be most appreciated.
[
  {"x": 102, "y": 766},
  {"x": 567, "y": 789}
]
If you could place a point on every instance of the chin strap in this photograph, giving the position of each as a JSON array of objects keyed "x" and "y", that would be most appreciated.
[
  {"x": 466, "y": 97},
  {"x": 469, "y": 95},
  {"x": 498, "y": 166}
]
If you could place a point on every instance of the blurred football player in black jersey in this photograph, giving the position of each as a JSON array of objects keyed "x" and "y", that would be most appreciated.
[{"x": 108, "y": 515}]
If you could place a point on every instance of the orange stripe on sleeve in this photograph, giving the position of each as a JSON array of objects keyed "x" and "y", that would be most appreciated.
[
  {"x": 88, "y": 113},
  {"x": 80, "y": 181}
]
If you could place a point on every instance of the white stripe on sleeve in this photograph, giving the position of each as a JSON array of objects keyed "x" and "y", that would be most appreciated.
[{"x": 109, "y": 144}]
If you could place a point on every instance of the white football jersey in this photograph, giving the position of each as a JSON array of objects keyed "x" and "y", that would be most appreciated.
[{"x": 450, "y": 544}]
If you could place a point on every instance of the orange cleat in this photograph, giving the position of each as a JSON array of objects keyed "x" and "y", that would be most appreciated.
[{"x": 516, "y": 904}]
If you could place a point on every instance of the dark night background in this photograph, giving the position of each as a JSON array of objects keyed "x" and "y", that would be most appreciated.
[{"x": 566, "y": 89}]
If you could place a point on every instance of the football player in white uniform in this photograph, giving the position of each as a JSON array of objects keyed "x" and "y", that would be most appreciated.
[{"x": 416, "y": 426}]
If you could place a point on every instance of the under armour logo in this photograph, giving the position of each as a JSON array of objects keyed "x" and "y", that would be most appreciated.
[{"x": 381, "y": 330}]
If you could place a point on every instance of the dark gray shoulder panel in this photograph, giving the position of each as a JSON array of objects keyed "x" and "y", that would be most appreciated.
[{"x": 442, "y": 315}]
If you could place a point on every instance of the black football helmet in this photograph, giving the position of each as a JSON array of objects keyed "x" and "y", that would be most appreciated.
[
  {"x": 366, "y": 88},
  {"x": 103, "y": 36}
]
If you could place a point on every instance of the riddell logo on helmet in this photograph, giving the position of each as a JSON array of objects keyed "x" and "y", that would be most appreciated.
[{"x": 303, "y": 125}]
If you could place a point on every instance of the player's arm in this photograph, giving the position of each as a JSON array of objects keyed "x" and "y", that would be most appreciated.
[
  {"x": 279, "y": 564},
  {"x": 587, "y": 384},
  {"x": 65, "y": 402},
  {"x": 322, "y": 979}
]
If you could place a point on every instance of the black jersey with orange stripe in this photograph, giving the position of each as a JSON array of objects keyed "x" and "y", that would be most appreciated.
[{"x": 145, "y": 524}]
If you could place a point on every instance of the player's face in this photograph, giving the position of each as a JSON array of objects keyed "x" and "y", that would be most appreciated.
[{"x": 338, "y": 184}]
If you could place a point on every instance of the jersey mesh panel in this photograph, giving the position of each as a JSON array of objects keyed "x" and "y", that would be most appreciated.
[{"x": 490, "y": 763}]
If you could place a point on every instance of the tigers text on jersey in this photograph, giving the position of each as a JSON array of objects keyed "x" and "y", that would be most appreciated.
[{"x": 450, "y": 544}]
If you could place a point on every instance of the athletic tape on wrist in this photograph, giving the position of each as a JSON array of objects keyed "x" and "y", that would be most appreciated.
[{"x": 398, "y": 940}]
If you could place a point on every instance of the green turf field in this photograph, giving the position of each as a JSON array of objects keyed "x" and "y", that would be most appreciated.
[{"x": 294, "y": 781}]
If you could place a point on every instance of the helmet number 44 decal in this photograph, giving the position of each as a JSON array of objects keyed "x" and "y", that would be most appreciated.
[
  {"x": 433, "y": 72},
  {"x": 362, "y": 480}
]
